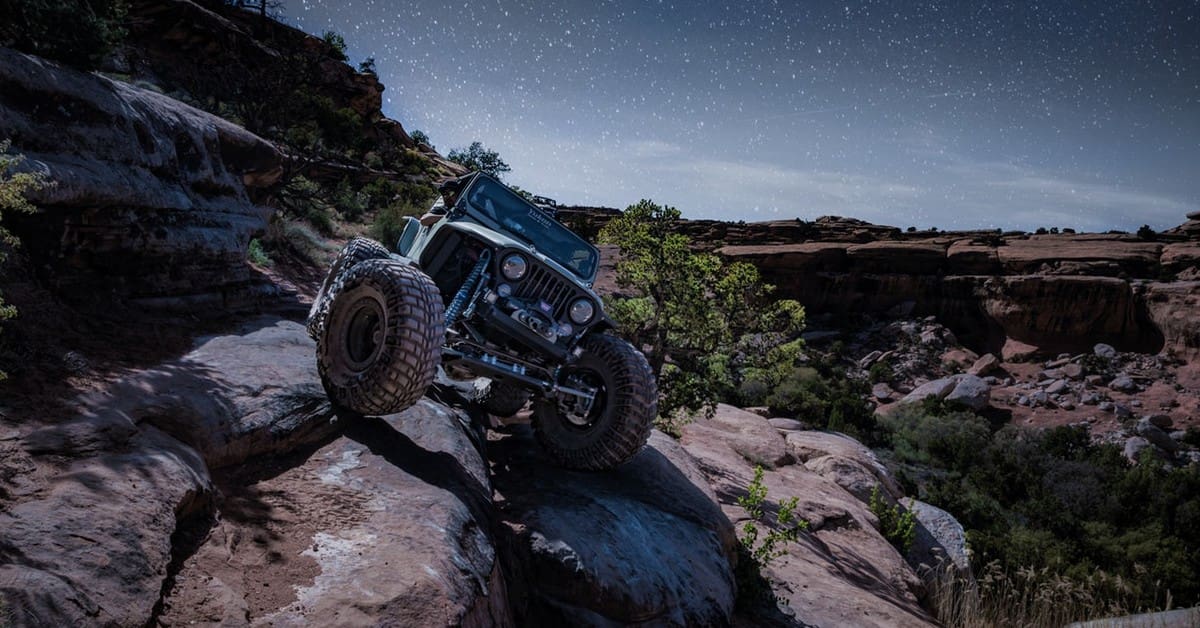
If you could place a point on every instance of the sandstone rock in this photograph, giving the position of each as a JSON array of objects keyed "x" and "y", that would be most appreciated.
[
  {"x": 937, "y": 388},
  {"x": 882, "y": 392},
  {"x": 970, "y": 391},
  {"x": 984, "y": 365},
  {"x": 93, "y": 545},
  {"x": 869, "y": 359},
  {"x": 1156, "y": 436},
  {"x": 1161, "y": 421},
  {"x": 1123, "y": 383},
  {"x": 786, "y": 425},
  {"x": 1107, "y": 406},
  {"x": 1094, "y": 254},
  {"x": 1104, "y": 351},
  {"x": 1122, "y": 411},
  {"x": 1052, "y": 373},
  {"x": 922, "y": 258},
  {"x": 817, "y": 578},
  {"x": 1134, "y": 448},
  {"x": 1089, "y": 399},
  {"x": 151, "y": 197},
  {"x": 1057, "y": 387},
  {"x": 646, "y": 542},
  {"x": 748, "y": 434},
  {"x": 1073, "y": 371},
  {"x": 939, "y": 538},
  {"x": 849, "y": 463}
]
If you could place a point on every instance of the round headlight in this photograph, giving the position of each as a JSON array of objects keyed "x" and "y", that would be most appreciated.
[
  {"x": 504, "y": 290},
  {"x": 582, "y": 311},
  {"x": 513, "y": 266}
]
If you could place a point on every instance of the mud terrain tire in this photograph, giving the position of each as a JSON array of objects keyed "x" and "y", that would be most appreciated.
[
  {"x": 381, "y": 345},
  {"x": 356, "y": 251},
  {"x": 502, "y": 400},
  {"x": 622, "y": 414}
]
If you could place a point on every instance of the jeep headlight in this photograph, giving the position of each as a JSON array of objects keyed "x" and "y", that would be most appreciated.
[
  {"x": 582, "y": 311},
  {"x": 513, "y": 266}
]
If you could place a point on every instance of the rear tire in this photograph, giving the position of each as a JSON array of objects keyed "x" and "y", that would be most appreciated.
[
  {"x": 622, "y": 414},
  {"x": 501, "y": 399},
  {"x": 381, "y": 345},
  {"x": 356, "y": 251}
]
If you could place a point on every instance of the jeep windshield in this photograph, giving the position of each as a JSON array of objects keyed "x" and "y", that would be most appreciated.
[{"x": 493, "y": 201}]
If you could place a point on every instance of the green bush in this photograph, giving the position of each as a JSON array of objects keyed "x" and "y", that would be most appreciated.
[
  {"x": 881, "y": 372},
  {"x": 14, "y": 186},
  {"x": 756, "y": 551},
  {"x": 337, "y": 45},
  {"x": 257, "y": 254},
  {"x": 1054, "y": 503},
  {"x": 824, "y": 397},
  {"x": 898, "y": 525},
  {"x": 390, "y": 221},
  {"x": 79, "y": 33}
]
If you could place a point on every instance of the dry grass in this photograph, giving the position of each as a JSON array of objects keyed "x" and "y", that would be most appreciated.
[{"x": 1031, "y": 598}]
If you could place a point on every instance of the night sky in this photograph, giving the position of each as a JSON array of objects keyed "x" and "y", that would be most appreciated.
[{"x": 958, "y": 114}]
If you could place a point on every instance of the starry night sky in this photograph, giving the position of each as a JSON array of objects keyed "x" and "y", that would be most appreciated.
[{"x": 958, "y": 114}]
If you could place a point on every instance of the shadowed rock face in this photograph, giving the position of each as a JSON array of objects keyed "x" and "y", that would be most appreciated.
[{"x": 154, "y": 200}]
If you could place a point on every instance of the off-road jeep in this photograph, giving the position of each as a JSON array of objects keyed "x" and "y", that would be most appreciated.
[{"x": 497, "y": 289}]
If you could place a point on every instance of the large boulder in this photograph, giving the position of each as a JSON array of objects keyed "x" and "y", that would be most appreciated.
[
  {"x": 153, "y": 200},
  {"x": 644, "y": 544},
  {"x": 842, "y": 572},
  {"x": 387, "y": 525},
  {"x": 849, "y": 463},
  {"x": 940, "y": 541}
]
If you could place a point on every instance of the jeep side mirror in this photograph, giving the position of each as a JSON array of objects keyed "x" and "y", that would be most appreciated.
[{"x": 411, "y": 227}]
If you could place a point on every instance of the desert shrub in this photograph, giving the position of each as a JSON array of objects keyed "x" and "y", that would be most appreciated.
[
  {"x": 14, "y": 186},
  {"x": 390, "y": 221},
  {"x": 257, "y": 255},
  {"x": 421, "y": 137},
  {"x": 1145, "y": 232},
  {"x": 951, "y": 441},
  {"x": 1056, "y": 504},
  {"x": 756, "y": 550},
  {"x": 879, "y": 372},
  {"x": 822, "y": 395},
  {"x": 337, "y": 45},
  {"x": 898, "y": 525},
  {"x": 299, "y": 240},
  {"x": 476, "y": 157},
  {"x": 76, "y": 32},
  {"x": 352, "y": 204}
]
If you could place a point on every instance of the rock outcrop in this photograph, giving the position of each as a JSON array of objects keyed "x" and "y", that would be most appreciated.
[
  {"x": 841, "y": 573},
  {"x": 154, "y": 201},
  {"x": 218, "y": 488}
]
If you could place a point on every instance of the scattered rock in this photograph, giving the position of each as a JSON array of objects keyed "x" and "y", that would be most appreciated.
[
  {"x": 1094, "y": 380},
  {"x": 1108, "y": 352},
  {"x": 1073, "y": 371},
  {"x": 971, "y": 391},
  {"x": 1052, "y": 374},
  {"x": 1023, "y": 401},
  {"x": 1123, "y": 383},
  {"x": 1057, "y": 387},
  {"x": 940, "y": 538},
  {"x": 882, "y": 392},
  {"x": 937, "y": 388},
  {"x": 1107, "y": 406},
  {"x": 1134, "y": 448},
  {"x": 1159, "y": 438},
  {"x": 869, "y": 359},
  {"x": 984, "y": 365}
]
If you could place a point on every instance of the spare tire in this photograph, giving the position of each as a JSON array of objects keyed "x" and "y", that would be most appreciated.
[
  {"x": 356, "y": 251},
  {"x": 382, "y": 342}
]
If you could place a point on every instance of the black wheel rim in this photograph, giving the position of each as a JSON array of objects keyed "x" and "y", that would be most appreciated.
[
  {"x": 599, "y": 402},
  {"x": 364, "y": 333}
]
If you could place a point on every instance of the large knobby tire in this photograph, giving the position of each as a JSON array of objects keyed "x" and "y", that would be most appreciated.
[
  {"x": 356, "y": 251},
  {"x": 622, "y": 414},
  {"x": 501, "y": 399},
  {"x": 383, "y": 339}
]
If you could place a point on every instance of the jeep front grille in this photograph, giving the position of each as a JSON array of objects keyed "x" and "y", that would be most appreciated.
[{"x": 543, "y": 284}]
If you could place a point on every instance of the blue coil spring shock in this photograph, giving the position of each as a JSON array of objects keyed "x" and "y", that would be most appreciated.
[{"x": 467, "y": 289}]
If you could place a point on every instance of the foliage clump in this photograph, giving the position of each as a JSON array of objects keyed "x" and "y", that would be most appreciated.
[
  {"x": 704, "y": 325},
  {"x": 898, "y": 525},
  {"x": 79, "y": 33},
  {"x": 755, "y": 550},
  {"x": 476, "y": 157},
  {"x": 14, "y": 186}
]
